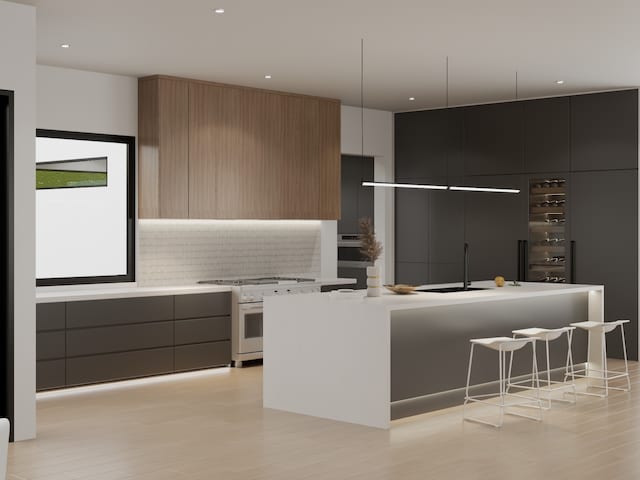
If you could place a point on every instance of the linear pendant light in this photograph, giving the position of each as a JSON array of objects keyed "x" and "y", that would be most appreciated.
[
  {"x": 453, "y": 188},
  {"x": 404, "y": 185}
]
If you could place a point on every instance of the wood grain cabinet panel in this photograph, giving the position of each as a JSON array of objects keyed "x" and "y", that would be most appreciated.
[
  {"x": 250, "y": 153},
  {"x": 164, "y": 149}
]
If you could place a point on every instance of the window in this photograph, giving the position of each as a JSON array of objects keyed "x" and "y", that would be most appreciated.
[{"x": 85, "y": 195}]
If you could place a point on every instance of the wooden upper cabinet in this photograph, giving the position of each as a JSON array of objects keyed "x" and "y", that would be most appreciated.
[
  {"x": 256, "y": 154},
  {"x": 163, "y": 116}
]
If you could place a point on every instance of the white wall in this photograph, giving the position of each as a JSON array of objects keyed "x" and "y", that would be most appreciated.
[
  {"x": 18, "y": 73},
  {"x": 81, "y": 101},
  {"x": 378, "y": 142}
]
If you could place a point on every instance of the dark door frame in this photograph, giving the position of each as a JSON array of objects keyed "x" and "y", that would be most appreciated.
[{"x": 6, "y": 260}]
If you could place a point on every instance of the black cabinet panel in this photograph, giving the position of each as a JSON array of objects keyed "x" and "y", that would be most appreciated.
[
  {"x": 412, "y": 273},
  {"x": 203, "y": 305},
  {"x": 90, "y": 341},
  {"x": 50, "y": 345},
  {"x": 446, "y": 226},
  {"x": 546, "y": 135},
  {"x": 50, "y": 374},
  {"x": 412, "y": 220},
  {"x": 211, "y": 329},
  {"x": 604, "y": 131},
  {"x": 93, "y": 313},
  {"x": 494, "y": 222},
  {"x": 356, "y": 200},
  {"x": 494, "y": 139},
  {"x": 202, "y": 355},
  {"x": 447, "y": 272},
  {"x": 604, "y": 213},
  {"x": 118, "y": 366},
  {"x": 428, "y": 144},
  {"x": 50, "y": 316}
]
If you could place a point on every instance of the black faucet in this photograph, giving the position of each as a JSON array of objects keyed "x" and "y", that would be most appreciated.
[{"x": 465, "y": 278}]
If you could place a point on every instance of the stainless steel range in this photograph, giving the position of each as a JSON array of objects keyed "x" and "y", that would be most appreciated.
[{"x": 246, "y": 309}]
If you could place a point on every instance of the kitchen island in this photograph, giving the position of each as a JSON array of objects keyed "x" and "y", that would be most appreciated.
[{"x": 370, "y": 360}]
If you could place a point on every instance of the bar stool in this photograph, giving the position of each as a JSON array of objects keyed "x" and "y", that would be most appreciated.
[
  {"x": 502, "y": 345},
  {"x": 606, "y": 375},
  {"x": 546, "y": 335}
]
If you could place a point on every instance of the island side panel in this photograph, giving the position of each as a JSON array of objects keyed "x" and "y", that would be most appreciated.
[
  {"x": 328, "y": 358},
  {"x": 430, "y": 346}
]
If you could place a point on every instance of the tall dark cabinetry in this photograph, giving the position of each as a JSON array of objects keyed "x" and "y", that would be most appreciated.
[
  {"x": 357, "y": 202},
  {"x": 588, "y": 141}
]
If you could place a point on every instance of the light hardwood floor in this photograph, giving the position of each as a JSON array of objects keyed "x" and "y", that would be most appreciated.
[{"x": 213, "y": 427}]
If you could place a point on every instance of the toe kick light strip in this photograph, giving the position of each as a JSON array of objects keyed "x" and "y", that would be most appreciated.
[{"x": 441, "y": 187}]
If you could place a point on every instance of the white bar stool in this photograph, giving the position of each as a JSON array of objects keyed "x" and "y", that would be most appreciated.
[
  {"x": 606, "y": 375},
  {"x": 546, "y": 335},
  {"x": 502, "y": 345}
]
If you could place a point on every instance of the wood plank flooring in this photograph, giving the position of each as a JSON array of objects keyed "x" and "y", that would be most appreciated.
[{"x": 212, "y": 426}]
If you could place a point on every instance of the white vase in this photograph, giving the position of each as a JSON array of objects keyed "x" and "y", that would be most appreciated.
[{"x": 374, "y": 286}]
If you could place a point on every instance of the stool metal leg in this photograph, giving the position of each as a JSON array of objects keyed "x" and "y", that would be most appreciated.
[
  {"x": 626, "y": 363},
  {"x": 466, "y": 394},
  {"x": 569, "y": 370}
]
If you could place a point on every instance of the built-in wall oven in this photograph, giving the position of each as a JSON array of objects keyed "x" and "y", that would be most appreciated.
[
  {"x": 351, "y": 263},
  {"x": 247, "y": 313}
]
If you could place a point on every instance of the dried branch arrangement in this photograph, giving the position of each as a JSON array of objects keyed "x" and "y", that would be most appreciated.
[{"x": 371, "y": 248}]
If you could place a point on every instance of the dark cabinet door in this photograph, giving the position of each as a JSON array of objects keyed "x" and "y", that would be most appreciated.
[
  {"x": 412, "y": 220},
  {"x": 546, "y": 135},
  {"x": 356, "y": 200},
  {"x": 494, "y": 222},
  {"x": 493, "y": 139},
  {"x": 428, "y": 144},
  {"x": 604, "y": 225},
  {"x": 446, "y": 235},
  {"x": 604, "y": 131}
]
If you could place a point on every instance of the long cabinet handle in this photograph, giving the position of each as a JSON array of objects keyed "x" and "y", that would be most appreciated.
[{"x": 572, "y": 272}]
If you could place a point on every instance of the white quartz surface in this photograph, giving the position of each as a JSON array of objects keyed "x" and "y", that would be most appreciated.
[
  {"x": 391, "y": 301},
  {"x": 57, "y": 294},
  {"x": 105, "y": 291}
]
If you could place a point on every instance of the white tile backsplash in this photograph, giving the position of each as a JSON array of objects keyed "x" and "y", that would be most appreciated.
[{"x": 180, "y": 252}]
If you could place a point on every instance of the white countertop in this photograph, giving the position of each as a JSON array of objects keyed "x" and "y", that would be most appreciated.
[
  {"x": 391, "y": 301},
  {"x": 105, "y": 291}
]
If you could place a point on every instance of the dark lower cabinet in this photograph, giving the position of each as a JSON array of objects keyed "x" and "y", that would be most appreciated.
[
  {"x": 119, "y": 366},
  {"x": 202, "y": 355},
  {"x": 604, "y": 221},
  {"x": 96, "y": 341}
]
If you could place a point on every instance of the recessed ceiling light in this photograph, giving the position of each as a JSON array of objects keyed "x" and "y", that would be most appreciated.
[
  {"x": 268, "y": 77},
  {"x": 411, "y": 99},
  {"x": 219, "y": 11},
  {"x": 559, "y": 82},
  {"x": 65, "y": 45}
]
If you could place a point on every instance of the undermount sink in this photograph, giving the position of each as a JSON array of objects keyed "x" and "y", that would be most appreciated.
[{"x": 450, "y": 289}]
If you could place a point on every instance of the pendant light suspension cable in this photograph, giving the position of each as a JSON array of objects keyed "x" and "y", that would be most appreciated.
[
  {"x": 451, "y": 188},
  {"x": 362, "y": 97}
]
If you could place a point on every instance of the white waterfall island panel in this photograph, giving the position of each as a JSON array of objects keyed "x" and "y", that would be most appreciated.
[{"x": 329, "y": 354}]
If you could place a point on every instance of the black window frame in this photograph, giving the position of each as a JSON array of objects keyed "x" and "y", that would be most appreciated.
[{"x": 130, "y": 276}]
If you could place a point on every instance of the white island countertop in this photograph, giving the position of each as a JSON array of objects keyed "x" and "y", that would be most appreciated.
[
  {"x": 421, "y": 299},
  {"x": 352, "y": 358},
  {"x": 69, "y": 293}
]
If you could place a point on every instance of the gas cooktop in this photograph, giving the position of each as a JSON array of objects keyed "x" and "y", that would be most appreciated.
[{"x": 256, "y": 281}]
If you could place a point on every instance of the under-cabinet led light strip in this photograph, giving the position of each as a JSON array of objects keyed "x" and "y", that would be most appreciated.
[{"x": 440, "y": 187}]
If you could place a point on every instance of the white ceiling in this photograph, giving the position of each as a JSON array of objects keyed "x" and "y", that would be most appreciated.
[{"x": 313, "y": 46}]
